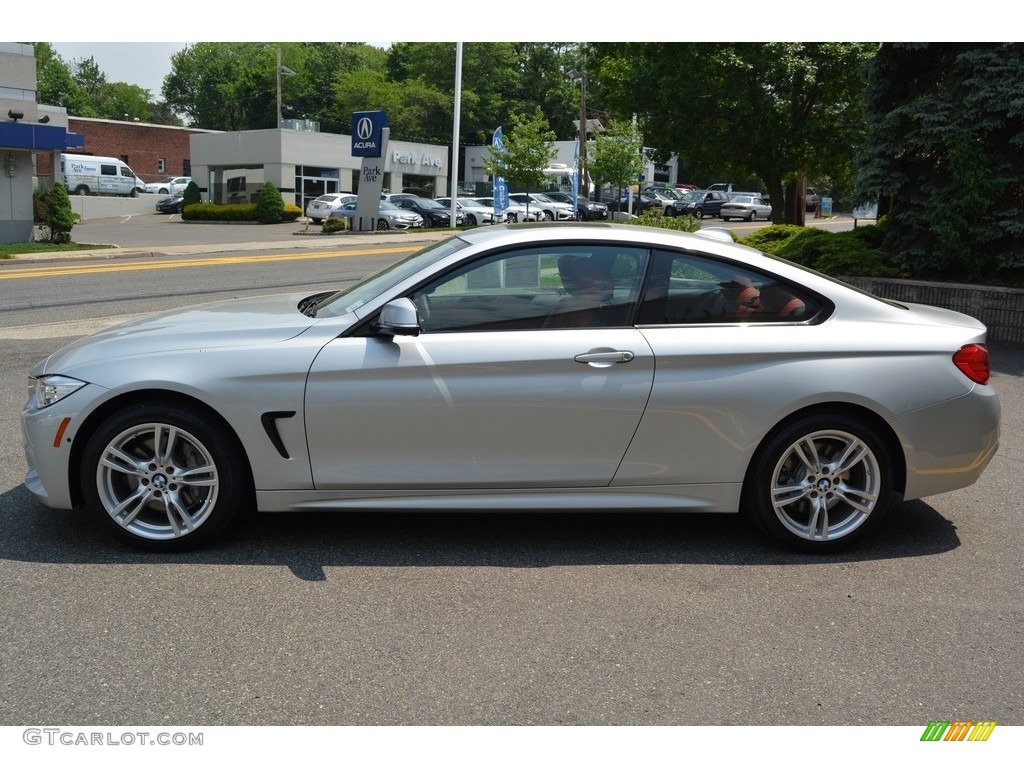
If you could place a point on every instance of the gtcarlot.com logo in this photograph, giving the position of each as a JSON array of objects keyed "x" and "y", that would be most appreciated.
[
  {"x": 958, "y": 730},
  {"x": 70, "y": 737}
]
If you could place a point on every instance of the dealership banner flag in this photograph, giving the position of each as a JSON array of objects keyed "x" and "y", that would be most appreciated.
[{"x": 500, "y": 185}]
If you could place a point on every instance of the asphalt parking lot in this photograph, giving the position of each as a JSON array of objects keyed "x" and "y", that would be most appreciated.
[{"x": 519, "y": 619}]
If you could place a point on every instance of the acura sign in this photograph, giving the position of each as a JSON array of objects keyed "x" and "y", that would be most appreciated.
[{"x": 367, "y": 131}]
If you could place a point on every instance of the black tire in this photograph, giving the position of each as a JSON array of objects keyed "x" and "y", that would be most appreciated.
[
  {"x": 752, "y": 216},
  {"x": 471, "y": 219},
  {"x": 383, "y": 225},
  {"x": 164, "y": 191},
  {"x": 819, "y": 483},
  {"x": 82, "y": 190},
  {"x": 134, "y": 471},
  {"x": 699, "y": 213},
  {"x": 549, "y": 216},
  {"x": 134, "y": 192}
]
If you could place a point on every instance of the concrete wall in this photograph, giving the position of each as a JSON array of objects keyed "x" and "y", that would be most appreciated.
[{"x": 97, "y": 207}]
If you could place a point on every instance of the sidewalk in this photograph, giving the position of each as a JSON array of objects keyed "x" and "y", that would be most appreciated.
[{"x": 304, "y": 240}]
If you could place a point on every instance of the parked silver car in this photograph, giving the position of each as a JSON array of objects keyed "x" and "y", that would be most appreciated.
[
  {"x": 561, "y": 367},
  {"x": 746, "y": 207},
  {"x": 389, "y": 215}
]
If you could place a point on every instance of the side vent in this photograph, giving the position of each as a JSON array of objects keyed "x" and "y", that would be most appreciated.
[{"x": 269, "y": 420}]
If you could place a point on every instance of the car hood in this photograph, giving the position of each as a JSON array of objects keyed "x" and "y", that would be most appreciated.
[{"x": 238, "y": 322}]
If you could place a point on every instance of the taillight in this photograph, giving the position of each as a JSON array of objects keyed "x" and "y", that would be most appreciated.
[{"x": 972, "y": 360}]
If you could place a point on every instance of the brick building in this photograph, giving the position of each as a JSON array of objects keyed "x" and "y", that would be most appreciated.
[{"x": 152, "y": 151}]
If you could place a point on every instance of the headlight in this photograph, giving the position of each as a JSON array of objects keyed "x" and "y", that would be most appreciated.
[{"x": 47, "y": 390}]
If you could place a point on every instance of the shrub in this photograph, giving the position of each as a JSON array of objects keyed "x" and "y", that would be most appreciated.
[
  {"x": 854, "y": 253},
  {"x": 191, "y": 194},
  {"x": 270, "y": 205},
  {"x": 336, "y": 224},
  {"x": 657, "y": 219},
  {"x": 40, "y": 205},
  {"x": 234, "y": 212},
  {"x": 60, "y": 217}
]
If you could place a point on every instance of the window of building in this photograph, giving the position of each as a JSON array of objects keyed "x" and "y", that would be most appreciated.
[{"x": 161, "y": 165}]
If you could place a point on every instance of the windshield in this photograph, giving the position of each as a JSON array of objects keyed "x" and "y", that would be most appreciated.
[
  {"x": 542, "y": 198},
  {"x": 693, "y": 196},
  {"x": 424, "y": 202},
  {"x": 352, "y": 298}
]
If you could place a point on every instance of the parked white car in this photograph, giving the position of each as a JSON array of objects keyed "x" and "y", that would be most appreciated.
[
  {"x": 552, "y": 210},
  {"x": 516, "y": 212},
  {"x": 474, "y": 212},
  {"x": 170, "y": 185},
  {"x": 320, "y": 208}
]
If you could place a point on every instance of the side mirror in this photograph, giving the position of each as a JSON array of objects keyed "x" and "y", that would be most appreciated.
[{"x": 399, "y": 318}]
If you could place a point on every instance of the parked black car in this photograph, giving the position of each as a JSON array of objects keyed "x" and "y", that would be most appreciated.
[
  {"x": 702, "y": 202},
  {"x": 586, "y": 210},
  {"x": 434, "y": 214},
  {"x": 171, "y": 204},
  {"x": 643, "y": 201}
]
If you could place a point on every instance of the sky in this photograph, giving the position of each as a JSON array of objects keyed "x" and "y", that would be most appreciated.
[
  {"x": 147, "y": 63},
  {"x": 141, "y": 64}
]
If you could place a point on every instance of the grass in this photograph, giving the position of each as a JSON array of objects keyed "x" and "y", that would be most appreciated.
[{"x": 7, "y": 250}]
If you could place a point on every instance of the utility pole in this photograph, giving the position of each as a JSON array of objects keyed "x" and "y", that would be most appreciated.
[{"x": 582, "y": 78}]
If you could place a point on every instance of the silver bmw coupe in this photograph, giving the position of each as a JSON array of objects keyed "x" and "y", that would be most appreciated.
[{"x": 554, "y": 367}]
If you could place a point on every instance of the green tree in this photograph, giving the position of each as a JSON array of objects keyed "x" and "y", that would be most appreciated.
[
  {"x": 191, "y": 194},
  {"x": 529, "y": 147},
  {"x": 270, "y": 205},
  {"x": 781, "y": 111},
  {"x": 60, "y": 217},
  {"x": 942, "y": 155},
  {"x": 615, "y": 156},
  {"x": 55, "y": 83}
]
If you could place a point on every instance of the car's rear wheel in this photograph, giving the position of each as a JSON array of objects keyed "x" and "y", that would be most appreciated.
[
  {"x": 751, "y": 217},
  {"x": 820, "y": 483},
  {"x": 382, "y": 225},
  {"x": 163, "y": 477},
  {"x": 471, "y": 219},
  {"x": 81, "y": 189}
]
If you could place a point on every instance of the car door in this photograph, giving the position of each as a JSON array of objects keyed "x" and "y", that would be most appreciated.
[{"x": 488, "y": 395}]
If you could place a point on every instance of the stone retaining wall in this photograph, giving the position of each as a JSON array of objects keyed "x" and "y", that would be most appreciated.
[{"x": 1001, "y": 309}]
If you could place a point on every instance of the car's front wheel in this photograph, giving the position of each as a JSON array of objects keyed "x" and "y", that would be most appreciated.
[
  {"x": 382, "y": 225},
  {"x": 820, "y": 483},
  {"x": 163, "y": 477}
]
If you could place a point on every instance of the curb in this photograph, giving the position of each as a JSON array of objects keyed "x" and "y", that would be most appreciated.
[{"x": 308, "y": 240}]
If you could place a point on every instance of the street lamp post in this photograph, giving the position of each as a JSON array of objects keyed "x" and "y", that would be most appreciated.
[
  {"x": 581, "y": 78},
  {"x": 280, "y": 71}
]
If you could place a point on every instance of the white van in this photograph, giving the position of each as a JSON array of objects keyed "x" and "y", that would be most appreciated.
[{"x": 90, "y": 175}]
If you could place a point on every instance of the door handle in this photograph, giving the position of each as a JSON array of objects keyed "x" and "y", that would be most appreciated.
[{"x": 604, "y": 359}]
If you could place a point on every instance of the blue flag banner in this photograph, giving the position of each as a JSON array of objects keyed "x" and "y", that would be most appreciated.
[{"x": 500, "y": 186}]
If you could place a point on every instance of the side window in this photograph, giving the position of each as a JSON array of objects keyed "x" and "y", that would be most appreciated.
[
  {"x": 536, "y": 288},
  {"x": 108, "y": 170},
  {"x": 689, "y": 289}
]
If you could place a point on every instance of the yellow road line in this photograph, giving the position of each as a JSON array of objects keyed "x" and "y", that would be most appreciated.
[{"x": 87, "y": 269}]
